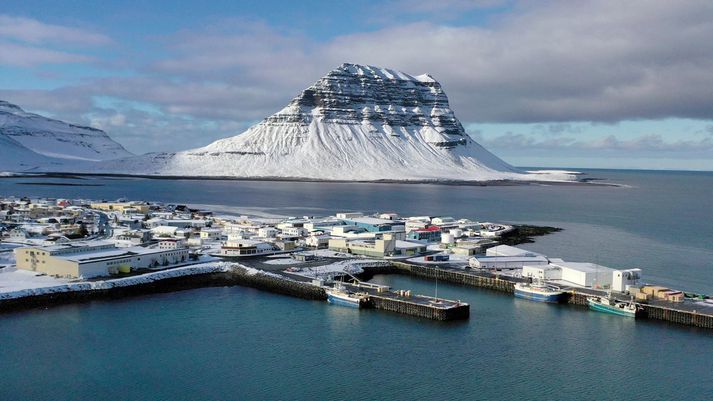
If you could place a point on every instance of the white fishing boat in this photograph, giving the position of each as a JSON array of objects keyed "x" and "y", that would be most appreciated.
[{"x": 340, "y": 295}]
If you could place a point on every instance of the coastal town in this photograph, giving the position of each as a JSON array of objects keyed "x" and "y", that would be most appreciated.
[{"x": 63, "y": 246}]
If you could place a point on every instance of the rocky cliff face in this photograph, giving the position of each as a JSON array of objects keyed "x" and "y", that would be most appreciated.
[
  {"x": 57, "y": 139},
  {"x": 362, "y": 95}
]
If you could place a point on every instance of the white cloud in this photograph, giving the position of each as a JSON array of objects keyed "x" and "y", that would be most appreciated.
[
  {"x": 556, "y": 61},
  {"x": 26, "y": 42},
  {"x": 27, "y": 56},
  {"x": 35, "y": 32}
]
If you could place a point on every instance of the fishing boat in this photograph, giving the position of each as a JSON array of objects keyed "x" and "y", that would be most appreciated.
[
  {"x": 609, "y": 305},
  {"x": 539, "y": 292},
  {"x": 339, "y": 295}
]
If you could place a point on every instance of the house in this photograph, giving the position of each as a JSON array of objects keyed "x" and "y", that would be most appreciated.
[
  {"x": 211, "y": 234},
  {"x": 172, "y": 243},
  {"x": 292, "y": 231},
  {"x": 317, "y": 241},
  {"x": 428, "y": 234},
  {"x": 267, "y": 232},
  {"x": 133, "y": 238},
  {"x": 444, "y": 221}
]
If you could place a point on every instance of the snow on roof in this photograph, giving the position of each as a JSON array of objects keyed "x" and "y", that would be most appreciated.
[
  {"x": 105, "y": 254},
  {"x": 515, "y": 258},
  {"x": 372, "y": 220},
  {"x": 507, "y": 250},
  {"x": 77, "y": 245},
  {"x": 400, "y": 244},
  {"x": 583, "y": 267}
]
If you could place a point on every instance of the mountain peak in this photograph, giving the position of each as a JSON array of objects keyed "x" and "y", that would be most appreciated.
[
  {"x": 10, "y": 107},
  {"x": 373, "y": 72},
  {"x": 380, "y": 99}
]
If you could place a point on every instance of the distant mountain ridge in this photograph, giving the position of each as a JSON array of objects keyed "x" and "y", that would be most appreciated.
[
  {"x": 357, "y": 123},
  {"x": 41, "y": 140}
]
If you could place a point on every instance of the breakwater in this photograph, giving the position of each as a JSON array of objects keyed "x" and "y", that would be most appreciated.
[
  {"x": 234, "y": 275},
  {"x": 228, "y": 275}
]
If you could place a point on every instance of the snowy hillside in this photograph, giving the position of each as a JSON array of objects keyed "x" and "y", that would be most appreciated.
[
  {"x": 54, "y": 138},
  {"x": 355, "y": 123}
]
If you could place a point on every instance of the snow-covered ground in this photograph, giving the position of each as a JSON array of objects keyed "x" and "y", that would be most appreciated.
[
  {"x": 283, "y": 261},
  {"x": 349, "y": 266},
  {"x": 7, "y": 258},
  {"x": 16, "y": 283}
]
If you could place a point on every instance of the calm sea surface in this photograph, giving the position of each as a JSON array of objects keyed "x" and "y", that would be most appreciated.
[{"x": 239, "y": 343}]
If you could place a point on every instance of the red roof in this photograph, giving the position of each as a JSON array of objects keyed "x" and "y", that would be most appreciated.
[{"x": 431, "y": 228}]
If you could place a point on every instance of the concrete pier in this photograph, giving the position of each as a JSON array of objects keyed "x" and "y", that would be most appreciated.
[
  {"x": 420, "y": 306},
  {"x": 681, "y": 313}
]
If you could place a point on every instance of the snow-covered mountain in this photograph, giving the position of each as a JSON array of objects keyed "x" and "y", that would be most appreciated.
[
  {"x": 356, "y": 123},
  {"x": 52, "y": 139},
  {"x": 15, "y": 157}
]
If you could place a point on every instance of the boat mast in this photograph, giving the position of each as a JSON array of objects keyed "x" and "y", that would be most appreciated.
[{"x": 436, "y": 271}]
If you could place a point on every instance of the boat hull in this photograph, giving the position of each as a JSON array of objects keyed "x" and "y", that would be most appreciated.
[
  {"x": 341, "y": 300},
  {"x": 611, "y": 309},
  {"x": 539, "y": 297}
]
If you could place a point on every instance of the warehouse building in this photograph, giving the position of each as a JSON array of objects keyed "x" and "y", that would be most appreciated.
[
  {"x": 584, "y": 275},
  {"x": 506, "y": 262},
  {"x": 87, "y": 260},
  {"x": 385, "y": 246},
  {"x": 121, "y": 207},
  {"x": 373, "y": 224}
]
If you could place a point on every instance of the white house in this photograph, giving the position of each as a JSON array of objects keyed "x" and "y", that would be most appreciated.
[{"x": 267, "y": 232}]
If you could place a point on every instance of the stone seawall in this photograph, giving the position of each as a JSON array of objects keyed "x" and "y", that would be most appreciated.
[{"x": 237, "y": 275}]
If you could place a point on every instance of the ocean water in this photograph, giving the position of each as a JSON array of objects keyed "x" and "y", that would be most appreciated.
[{"x": 239, "y": 343}]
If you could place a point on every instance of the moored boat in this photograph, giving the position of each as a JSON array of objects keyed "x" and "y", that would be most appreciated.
[
  {"x": 608, "y": 305},
  {"x": 339, "y": 295},
  {"x": 539, "y": 292}
]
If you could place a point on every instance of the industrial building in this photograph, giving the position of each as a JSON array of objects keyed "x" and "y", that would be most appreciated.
[
  {"x": 507, "y": 262},
  {"x": 507, "y": 250},
  {"x": 385, "y": 246},
  {"x": 373, "y": 224},
  {"x": 87, "y": 260},
  {"x": 584, "y": 275},
  {"x": 122, "y": 207}
]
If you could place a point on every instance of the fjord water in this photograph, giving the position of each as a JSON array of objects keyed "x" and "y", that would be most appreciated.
[{"x": 239, "y": 343}]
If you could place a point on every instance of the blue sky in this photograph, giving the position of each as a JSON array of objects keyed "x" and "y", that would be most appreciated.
[{"x": 540, "y": 83}]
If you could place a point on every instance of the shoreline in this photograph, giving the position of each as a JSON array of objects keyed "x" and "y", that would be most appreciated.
[{"x": 447, "y": 182}]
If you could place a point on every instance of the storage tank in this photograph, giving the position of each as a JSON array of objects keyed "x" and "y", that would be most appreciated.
[{"x": 447, "y": 238}]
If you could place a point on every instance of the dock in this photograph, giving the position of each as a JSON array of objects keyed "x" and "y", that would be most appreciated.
[
  {"x": 400, "y": 301},
  {"x": 682, "y": 313}
]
